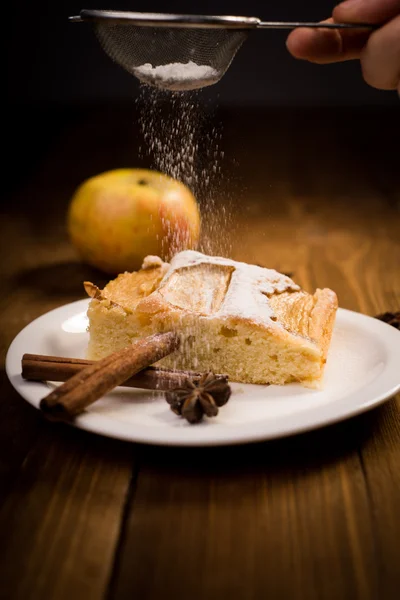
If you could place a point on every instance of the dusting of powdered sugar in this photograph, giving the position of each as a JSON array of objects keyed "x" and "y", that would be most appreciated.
[
  {"x": 177, "y": 76},
  {"x": 249, "y": 286}
]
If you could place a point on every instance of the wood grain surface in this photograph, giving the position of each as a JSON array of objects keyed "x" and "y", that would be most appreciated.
[{"x": 315, "y": 516}]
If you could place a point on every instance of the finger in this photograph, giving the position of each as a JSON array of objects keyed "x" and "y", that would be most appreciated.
[
  {"x": 366, "y": 11},
  {"x": 324, "y": 46},
  {"x": 380, "y": 60},
  {"x": 316, "y": 45}
]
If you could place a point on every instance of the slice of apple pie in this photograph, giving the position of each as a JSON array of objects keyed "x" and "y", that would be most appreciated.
[{"x": 254, "y": 324}]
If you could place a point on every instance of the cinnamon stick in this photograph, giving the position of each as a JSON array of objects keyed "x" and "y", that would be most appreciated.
[
  {"x": 95, "y": 380},
  {"x": 36, "y": 367}
]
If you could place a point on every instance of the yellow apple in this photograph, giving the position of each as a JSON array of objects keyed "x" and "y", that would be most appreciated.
[{"x": 117, "y": 218}]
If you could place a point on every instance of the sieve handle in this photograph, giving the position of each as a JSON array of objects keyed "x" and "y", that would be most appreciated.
[{"x": 295, "y": 25}]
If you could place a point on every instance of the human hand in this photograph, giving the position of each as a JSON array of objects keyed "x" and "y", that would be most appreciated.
[{"x": 378, "y": 52}]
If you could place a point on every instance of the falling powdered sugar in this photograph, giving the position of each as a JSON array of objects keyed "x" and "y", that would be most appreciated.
[
  {"x": 183, "y": 140},
  {"x": 177, "y": 76}
]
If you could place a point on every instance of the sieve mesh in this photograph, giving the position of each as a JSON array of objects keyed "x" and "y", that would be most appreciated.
[{"x": 132, "y": 46}]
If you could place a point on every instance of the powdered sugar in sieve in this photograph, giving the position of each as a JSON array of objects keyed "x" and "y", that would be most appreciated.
[{"x": 177, "y": 76}]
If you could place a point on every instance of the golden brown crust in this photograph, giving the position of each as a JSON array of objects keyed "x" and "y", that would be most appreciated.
[
  {"x": 128, "y": 289},
  {"x": 322, "y": 318},
  {"x": 306, "y": 315}
]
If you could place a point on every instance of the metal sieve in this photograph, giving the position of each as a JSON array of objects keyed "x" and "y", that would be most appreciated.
[{"x": 179, "y": 52}]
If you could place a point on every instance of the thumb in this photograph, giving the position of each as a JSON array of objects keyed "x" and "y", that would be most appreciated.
[
  {"x": 323, "y": 46},
  {"x": 366, "y": 11}
]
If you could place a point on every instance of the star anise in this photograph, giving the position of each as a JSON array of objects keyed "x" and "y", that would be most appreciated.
[
  {"x": 195, "y": 399},
  {"x": 390, "y": 318}
]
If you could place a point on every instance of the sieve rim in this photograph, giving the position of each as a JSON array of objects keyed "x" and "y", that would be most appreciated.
[{"x": 188, "y": 21}]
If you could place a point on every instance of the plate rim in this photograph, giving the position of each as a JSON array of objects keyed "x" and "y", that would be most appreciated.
[{"x": 102, "y": 425}]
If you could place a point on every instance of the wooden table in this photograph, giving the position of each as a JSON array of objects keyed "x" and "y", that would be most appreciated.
[{"x": 316, "y": 516}]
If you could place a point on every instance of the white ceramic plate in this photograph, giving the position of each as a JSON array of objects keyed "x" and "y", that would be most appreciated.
[{"x": 363, "y": 370}]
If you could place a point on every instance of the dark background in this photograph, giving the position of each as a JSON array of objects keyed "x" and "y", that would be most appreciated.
[
  {"x": 50, "y": 60},
  {"x": 58, "y": 79}
]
